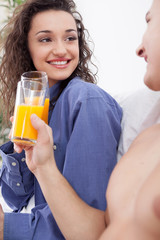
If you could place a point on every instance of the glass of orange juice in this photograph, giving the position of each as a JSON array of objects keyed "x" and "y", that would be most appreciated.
[
  {"x": 43, "y": 78},
  {"x": 30, "y": 98}
]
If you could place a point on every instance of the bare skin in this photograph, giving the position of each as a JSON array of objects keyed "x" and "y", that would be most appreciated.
[{"x": 134, "y": 209}]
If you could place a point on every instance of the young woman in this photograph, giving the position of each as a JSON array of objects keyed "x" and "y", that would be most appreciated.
[
  {"x": 133, "y": 196},
  {"x": 49, "y": 36}
]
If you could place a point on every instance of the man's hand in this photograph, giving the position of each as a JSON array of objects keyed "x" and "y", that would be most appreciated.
[
  {"x": 41, "y": 154},
  {"x": 1, "y": 222}
]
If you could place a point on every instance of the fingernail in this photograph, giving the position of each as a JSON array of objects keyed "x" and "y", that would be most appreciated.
[{"x": 34, "y": 117}]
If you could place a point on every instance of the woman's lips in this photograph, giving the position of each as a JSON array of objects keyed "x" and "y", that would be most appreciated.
[{"x": 59, "y": 63}]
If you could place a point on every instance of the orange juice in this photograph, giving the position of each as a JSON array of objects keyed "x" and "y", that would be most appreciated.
[
  {"x": 45, "y": 111},
  {"x": 22, "y": 128},
  {"x": 35, "y": 101}
]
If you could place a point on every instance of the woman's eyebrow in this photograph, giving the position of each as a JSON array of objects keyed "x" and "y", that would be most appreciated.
[
  {"x": 43, "y": 31},
  {"x": 48, "y": 31},
  {"x": 71, "y": 30}
]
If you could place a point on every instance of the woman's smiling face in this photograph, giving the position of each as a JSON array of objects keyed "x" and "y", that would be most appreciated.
[{"x": 53, "y": 44}]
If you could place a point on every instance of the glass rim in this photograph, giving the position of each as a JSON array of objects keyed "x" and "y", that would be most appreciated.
[
  {"x": 27, "y": 83},
  {"x": 40, "y": 74}
]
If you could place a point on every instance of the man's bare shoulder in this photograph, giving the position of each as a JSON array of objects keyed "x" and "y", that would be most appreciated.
[
  {"x": 151, "y": 132},
  {"x": 132, "y": 170}
]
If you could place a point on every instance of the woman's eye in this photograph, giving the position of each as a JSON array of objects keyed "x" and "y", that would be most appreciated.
[
  {"x": 71, "y": 39},
  {"x": 45, "y": 40}
]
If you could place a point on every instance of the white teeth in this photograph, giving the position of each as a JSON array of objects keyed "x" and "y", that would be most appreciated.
[{"x": 59, "y": 63}]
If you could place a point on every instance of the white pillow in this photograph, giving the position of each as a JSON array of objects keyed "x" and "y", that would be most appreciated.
[
  {"x": 6, "y": 208},
  {"x": 141, "y": 109}
]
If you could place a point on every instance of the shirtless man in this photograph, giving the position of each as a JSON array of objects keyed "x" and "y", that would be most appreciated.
[{"x": 133, "y": 193}]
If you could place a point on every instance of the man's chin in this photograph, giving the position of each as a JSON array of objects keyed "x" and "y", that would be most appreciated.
[{"x": 152, "y": 84}]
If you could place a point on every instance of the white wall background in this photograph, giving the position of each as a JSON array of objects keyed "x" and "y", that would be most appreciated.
[{"x": 116, "y": 28}]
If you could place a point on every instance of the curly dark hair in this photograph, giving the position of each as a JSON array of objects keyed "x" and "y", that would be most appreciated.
[{"x": 16, "y": 57}]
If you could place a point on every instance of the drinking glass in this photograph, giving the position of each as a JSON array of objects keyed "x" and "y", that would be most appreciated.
[
  {"x": 30, "y": 98},
  {"x": 43, "y": 78}
]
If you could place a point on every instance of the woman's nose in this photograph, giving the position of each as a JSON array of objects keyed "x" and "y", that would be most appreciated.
[
  {"x": 140, "y": 51},
  {"x": 59, "y": 49}
]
